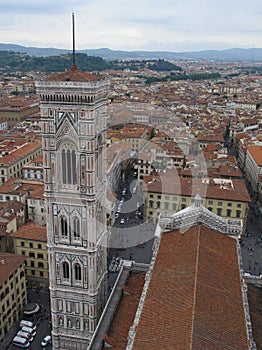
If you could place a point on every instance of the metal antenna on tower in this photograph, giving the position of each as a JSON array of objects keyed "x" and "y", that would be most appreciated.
[{"x": 74, "y": 51}]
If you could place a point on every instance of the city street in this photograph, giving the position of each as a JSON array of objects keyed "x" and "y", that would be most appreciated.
[
  {"x": 251, "y": 246},
  {"x": 41, "y": 319}
]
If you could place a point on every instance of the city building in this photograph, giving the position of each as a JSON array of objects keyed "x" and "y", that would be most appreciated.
[
  {"x": 12, "y": 291},
  {"x": 253, "y": 167},
  {"x": 169, "y": 193},
  {"x": 17, "y": 109},
  {"x": 14, "y": 155},
  {"x": 29, "y": 241},
  {"x": 74, "y": 120},
  {"x": 9, "y": 218},
  {"x": 34, "y": 169},
  {"x": 36, "y": 206}
]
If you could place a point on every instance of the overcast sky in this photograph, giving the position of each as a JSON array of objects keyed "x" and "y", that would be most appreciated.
[{"x": 170, "y": 25}]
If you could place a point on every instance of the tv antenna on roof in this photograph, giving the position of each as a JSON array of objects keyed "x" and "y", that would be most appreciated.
[{"x": 74, "y": 50}]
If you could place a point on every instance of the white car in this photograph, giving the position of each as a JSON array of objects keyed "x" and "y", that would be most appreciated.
[
  {"x": 28, "y": 330},
  {"x": 122, "y": 221},
  {"x": 47, "y": 340},
  {"x": 25, "y": 335},
  {"x": 25, "y": 323}
]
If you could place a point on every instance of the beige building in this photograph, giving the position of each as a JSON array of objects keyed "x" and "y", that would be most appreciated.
[
  {"x": 253, "y": 167},
  {"x": 17, "y": 109},
  {"x": 30, "y": 242},
  {"x": 14, "y": 156},
  {"x": 12, "y": 291},
  {"x": 36, "y": 206},
  {"x": 170, "y": 193},
  {"x": 34, "y": 170}
]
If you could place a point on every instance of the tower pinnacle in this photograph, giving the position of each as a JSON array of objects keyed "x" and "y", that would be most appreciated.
[{"x": 74, "y": 53}]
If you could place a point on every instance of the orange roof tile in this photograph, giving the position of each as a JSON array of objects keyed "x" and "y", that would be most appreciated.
[
  {"x": 8, "y": 264},
  {"x": 256, "y": 153},
  {"x": 194, "y": 298},
  {"x": 118, "y": 332},
  {"x": 31, "y": 231},
  {"x": 73, "y": 75},
  {"x": 171, "y": 183},
  {"x": 19, "y": 153}
]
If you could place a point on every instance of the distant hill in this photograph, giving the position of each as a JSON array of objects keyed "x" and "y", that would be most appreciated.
[{"x": 236, "y": 54}]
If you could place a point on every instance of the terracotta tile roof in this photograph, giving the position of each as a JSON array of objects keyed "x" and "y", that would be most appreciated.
[
  {"x": 256, "y": 153},
  {"x": 19, "y": 153},
  {"x": 8, "y": 264},
  {"x": 31, "y": 231},
  {"x": 118, "y": 332},
  {"x": 254, "y": 294},
  {"x": 37, "y": 193},
  {"x": 73, "y": 75},
  {"x": 194, "y": 298},
  {"x": 17, "y": 186},
  {"x": 170, "y": 183}
]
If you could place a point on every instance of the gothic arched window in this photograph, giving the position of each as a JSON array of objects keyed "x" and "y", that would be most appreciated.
[
  {"x": 78, "y": 274},
  {"x": 68, "y": 165},
  {"x": 64, "y": 227},
  {"x": 65, "y": 270},
  {"x": 76, "y": 229}
]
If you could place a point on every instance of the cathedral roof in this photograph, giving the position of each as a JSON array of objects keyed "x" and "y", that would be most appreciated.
[
  {"x": 73, "y": 75},
  {"x": 194, "y": 298}
]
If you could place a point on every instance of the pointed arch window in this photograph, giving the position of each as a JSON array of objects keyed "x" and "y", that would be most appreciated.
[
  {"x": 76, "y": 229},
  {"x": 64, "y": 227},
  {"x": 65, "y": 270},
  {"x": 78, "y": 272},
  {"x": 68, "y": 165}
]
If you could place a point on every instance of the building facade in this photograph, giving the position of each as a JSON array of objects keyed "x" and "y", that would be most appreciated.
[
  {"x": 12, "y": 291},
  {"x": 13, "y": 159},
  {"x": 74, "y": 119},
  {"x": 30, "y": 242},
  {"x": 224, "y": 197}
]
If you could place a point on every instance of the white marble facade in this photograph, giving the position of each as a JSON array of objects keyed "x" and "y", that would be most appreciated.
[{"x": 74, "y": 120}]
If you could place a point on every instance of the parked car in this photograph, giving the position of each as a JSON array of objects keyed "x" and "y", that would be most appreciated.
[
  {"x": 122, "y": 221},
  {"x": 29, "y": 330},
  {"x": 25, "y": 335},
  {"x": 47, "y": 340},
  {"x": 25, "y": 323},
  {"x": 21, "y": 342}
]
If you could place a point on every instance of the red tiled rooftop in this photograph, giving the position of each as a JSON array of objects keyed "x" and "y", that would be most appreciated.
[
  {"x": 31, "y": 231},
  {"x": 118, "y": 332},
  {"x": 256, "y": 153},
  {"x": 194, "y": 299},
  {"x": 73, "y": 75},
  {"x": 8, "y": 264},
  {"x": 170, "y": 183},
  {"x": 20, "y": 153}
]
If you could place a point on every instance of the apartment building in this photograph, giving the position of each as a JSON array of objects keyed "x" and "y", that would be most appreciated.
[
  {"x": 12, "y": 290},
  {"x": 17, "y": 109},
  {"x": 136, "y": 135},
  {"x": 30, "y": 242},
  {"x": 14, "y": 155},
  {"x": 36, "y": 205},
  {"x": 253, "y": 167},
  {"x": 17, "y": 189},
  {"x": 34, "y": 170},
  {"x": 169, "y": 193}
]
